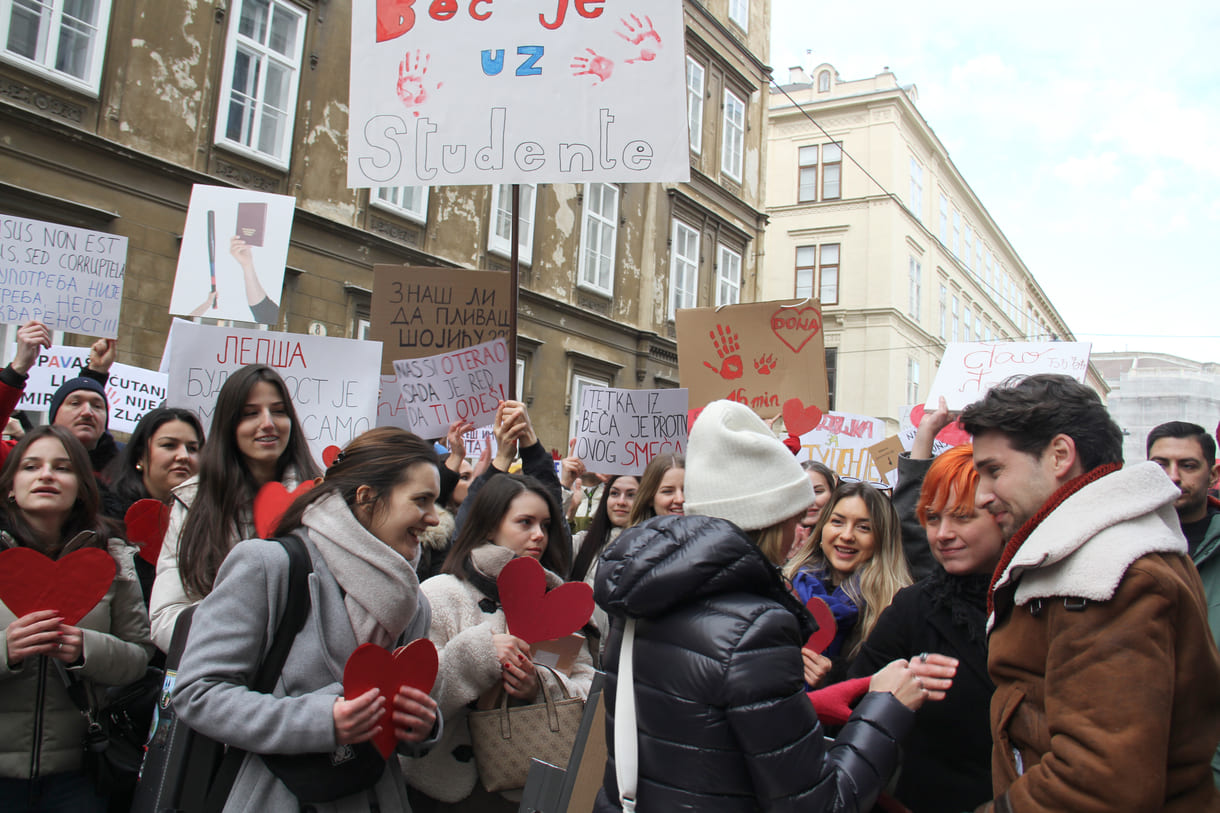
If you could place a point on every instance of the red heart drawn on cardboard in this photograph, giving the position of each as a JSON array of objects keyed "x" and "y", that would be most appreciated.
[
  {"x": 147, "y": 521},
  {"x": 72, "y": 586},
  {"x": 954, "y": 434},
  {"x": 827, "y": 628},
  {"x": 372, "y": 667},
  {"x": 329, "y": 454},
  {"x": 535, "y": 614},
  {"x": 796, "y": 326},
  {"x": 799, "y": 419},
  {"x": 270, "y": 504}
]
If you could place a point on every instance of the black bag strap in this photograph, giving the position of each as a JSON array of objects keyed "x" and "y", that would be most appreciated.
[{"x": 296, "y": 611}]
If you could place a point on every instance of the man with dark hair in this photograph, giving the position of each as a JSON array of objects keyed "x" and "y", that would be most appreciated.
[{"x": 1107, "y": 681}]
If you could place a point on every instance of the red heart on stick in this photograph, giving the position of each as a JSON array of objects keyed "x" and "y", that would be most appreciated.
[
  {"x": 72, "y": 586},
  {"x": 535, "y": 614},
  {"x": 372, "y": 667},
  {"x": 799, "y": 419},
  {"x": 146, "y": 522},
  {"x": 270, "y": 504},
  {"x": 796, "y": 326},
  {"x": 826, "y": 624}
]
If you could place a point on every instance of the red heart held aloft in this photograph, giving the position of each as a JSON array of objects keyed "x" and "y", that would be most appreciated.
[
  {"x": 72, "y": 586},
  {"x": 329, "y": 454},
  {"x": 270, "y": 504},
  {"x": 146, "y": 522},
  {"x": 799, "y": 419},
  {"x": 372, "y": 667},
  {"x": 796, "y": 326},
  {"x": 826, "y": 624},
  {"x": 954, "y": 434},
  {"x": 535, "y": 614}
]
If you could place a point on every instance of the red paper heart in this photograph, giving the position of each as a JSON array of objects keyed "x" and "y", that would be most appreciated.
[
  {"x": 372, "y": 667},
  {"x": 329, "y": 454},
  {"x": 146, "y": 522},
  {"x": 535, "y": 614},
  {"x": 72, "y": 586},
  {"x": 796, "y": 326},
  {"x": 954, "y": 434},
  {"x": 691, "y": 415},
  {"x": 270, "y": 504},
  {"x": 799, "y": 419},
  {"x": 826, "y": 624}
]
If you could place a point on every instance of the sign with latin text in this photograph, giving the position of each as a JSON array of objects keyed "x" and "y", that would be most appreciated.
[
  {"x": 332, "y": 382},
  {"x": 533, "y": 91},
  {"x": 418, "y": 312},
  {"x": 761, "y": 355},
  {"x": 969, "y": 369},
  {"x": 67, "y": 278},
  {"x": 842, "y": 442},
  {"x": 620, "y": 431},
  {"x": 465, "y": 384},
  {"x": 130, "y": 391}
]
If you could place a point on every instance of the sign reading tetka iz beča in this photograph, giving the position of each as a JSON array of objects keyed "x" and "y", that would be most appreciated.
[
  {"x": 620, "y": 431},
  {"x": 533, "y": 91}
]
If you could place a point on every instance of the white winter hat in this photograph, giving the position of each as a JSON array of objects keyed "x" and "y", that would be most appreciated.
[{"x": 736, "y": 469}]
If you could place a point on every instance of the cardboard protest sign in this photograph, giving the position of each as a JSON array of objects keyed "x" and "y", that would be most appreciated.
[
  {"x": 130, "y": 391},
  {"x": 760, "y": 355},
  {"x": 620, "y": 431},
  {"x": 418, "y": 312},
  {"x": 885, "y": 458},
  {"x": 842, "y": 442},
  {"x": 969, "y": 369},
  {"x": 535, "y": 91},
  {"x": 468, "y": 384},
  {"x": 332, "y": 382},
  {"x": 234, "y": 247},
  {"x": 67, "y": 278}
]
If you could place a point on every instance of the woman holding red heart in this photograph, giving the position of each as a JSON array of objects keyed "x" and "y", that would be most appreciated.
[
  {"x": 50, "y": 505},
  {"x": 361, "y": 527},
  {"x": 255, "y": 439},
  {"x": 510, "y": 516}
]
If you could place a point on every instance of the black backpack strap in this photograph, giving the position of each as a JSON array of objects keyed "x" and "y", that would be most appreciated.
[{"x": 296, "y": 611}]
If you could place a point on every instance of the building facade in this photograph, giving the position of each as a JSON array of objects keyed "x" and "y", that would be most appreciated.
[
  {"x": 870, "y": 216},
  {"x": 112, "y": 109}
]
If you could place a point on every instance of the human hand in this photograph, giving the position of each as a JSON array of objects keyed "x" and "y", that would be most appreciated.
[
  {"x": 455, "y": 442},
  {"x": 506, "y": 430},
  {"x": 816, "y": 666},
  {"x": 898, "y": 679},
  {"x": 516, "y": 411},
  {"x": 481, "y": 465},
  {"x": 936, "y": 671},
  {"x": 414, "y": 714},
  {"x": 358, "y": 719},
  {"x": 241, "y": 252},
  {"x": 929, "y": 428},
  {"x": 521, "y": 681},
  {"x": 570, "y": 467},
  {"x": 71, "y": 645},
  {"x": 31, "y": 337},
  {"x": 102, "y": 354},
  {"x": 510, "y": 649},
  {"x": 33, "y": 634}
]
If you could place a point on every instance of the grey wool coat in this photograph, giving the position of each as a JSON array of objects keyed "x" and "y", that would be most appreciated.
[{"x": 229, "y": 635}]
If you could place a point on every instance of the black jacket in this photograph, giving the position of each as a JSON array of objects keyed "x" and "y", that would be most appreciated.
[
  {"x": 947, "y": 766},
  {"x": 724, "y": 723}
]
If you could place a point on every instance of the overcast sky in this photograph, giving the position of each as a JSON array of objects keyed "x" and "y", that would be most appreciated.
[{"x": 1089, "y": 130}]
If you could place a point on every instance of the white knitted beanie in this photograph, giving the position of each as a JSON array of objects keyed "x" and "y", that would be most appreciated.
[{"x": 736, "y": 469}]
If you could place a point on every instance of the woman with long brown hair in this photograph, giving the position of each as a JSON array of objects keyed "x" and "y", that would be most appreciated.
[{"x": 255, "y": 439}]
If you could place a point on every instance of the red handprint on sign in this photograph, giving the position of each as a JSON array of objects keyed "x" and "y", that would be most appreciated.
[
  {"x": 726, "y": 344},
  {"x": 642, "y": 34},
  {"x": 411, "y": 79},
  {"x": 593, "y": 65}
]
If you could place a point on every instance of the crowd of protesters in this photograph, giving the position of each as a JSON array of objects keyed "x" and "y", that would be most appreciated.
[{"x": 1023, "y": 625}]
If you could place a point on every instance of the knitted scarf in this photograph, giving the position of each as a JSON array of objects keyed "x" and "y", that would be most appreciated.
[
  {"x": 808, "y": 583},
  {"x": 964, "y": 598},
  {"x": 1014, "y": 544}
]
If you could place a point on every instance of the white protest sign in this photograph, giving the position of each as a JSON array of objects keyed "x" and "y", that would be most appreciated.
[
  {"x": 467, "y": 384},
  {"x": 67, "y": 278},
  {"x": 841, "y": 441},
  {"x": 234, "y": 248},
  {"x": 619, "y": 431},
  {"x": 392, "y": 411},
  {"x": 332, "y": 382},
  {"x": 534, "y": 91},
  {"x": 130, "y": 391},
  {"x": 969, "y": 369}
]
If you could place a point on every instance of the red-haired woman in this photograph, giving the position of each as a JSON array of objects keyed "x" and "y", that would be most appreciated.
[{"x": 948, "y": 755}]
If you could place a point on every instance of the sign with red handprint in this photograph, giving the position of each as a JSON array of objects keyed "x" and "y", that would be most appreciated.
[
  {"x": 761, "y": 354},
  {"x": 533, "y": 91}
]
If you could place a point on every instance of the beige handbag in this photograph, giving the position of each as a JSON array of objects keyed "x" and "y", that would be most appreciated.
[{"x": 505, "y": 739}]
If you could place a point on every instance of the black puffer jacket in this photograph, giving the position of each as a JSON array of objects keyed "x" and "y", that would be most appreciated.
[{"x": 724, "y": 723}]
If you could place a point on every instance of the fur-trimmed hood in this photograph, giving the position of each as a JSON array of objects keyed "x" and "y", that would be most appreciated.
[{"x": 1084, "y": 547}]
